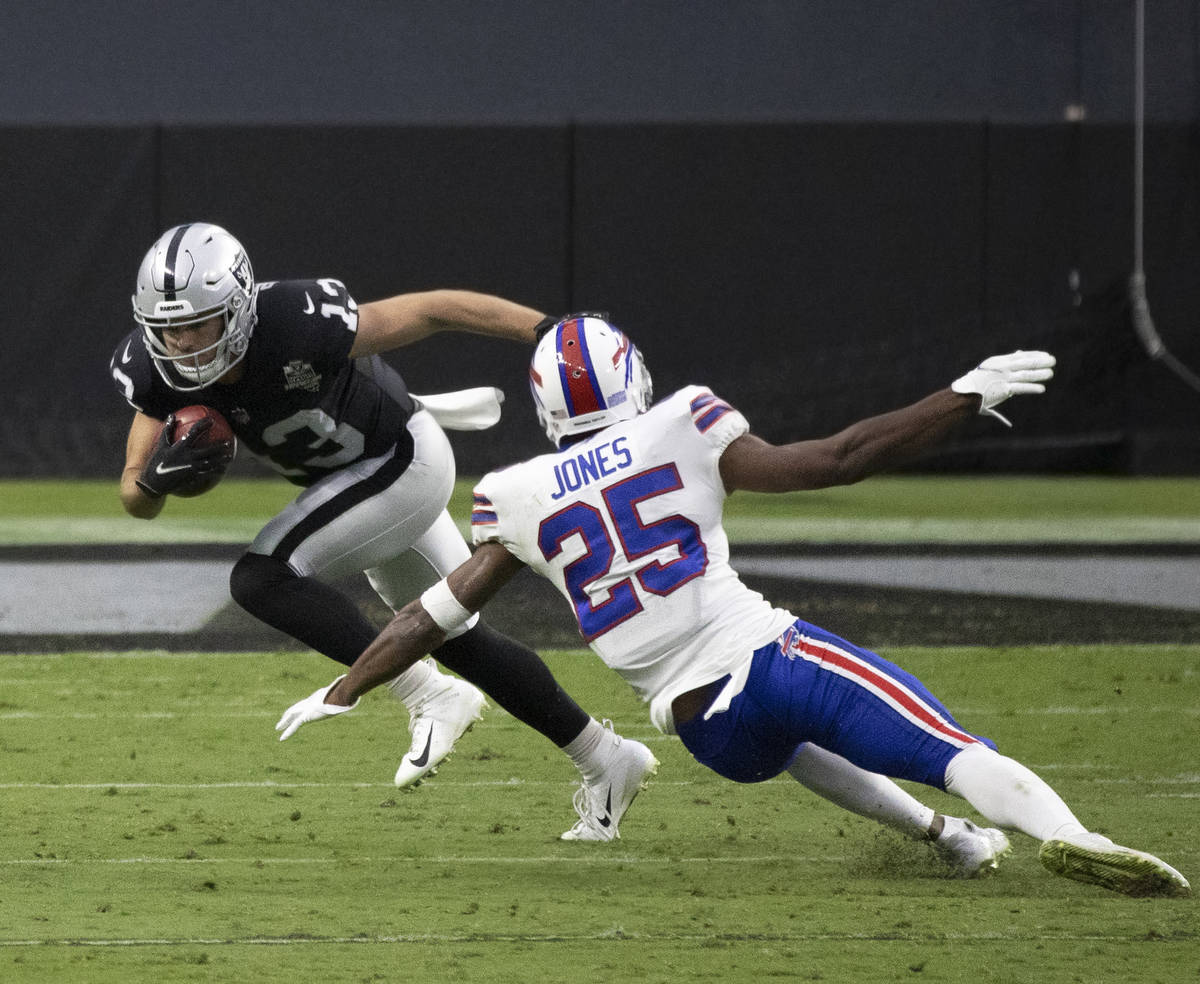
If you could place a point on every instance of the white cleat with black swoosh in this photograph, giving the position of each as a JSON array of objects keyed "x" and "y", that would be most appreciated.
[
  {"x": 601, "y": 804},
  {"x": 436, "y": 725}
]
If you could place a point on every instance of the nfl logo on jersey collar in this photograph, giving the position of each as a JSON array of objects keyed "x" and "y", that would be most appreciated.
[{"x": 301, "y": 375}]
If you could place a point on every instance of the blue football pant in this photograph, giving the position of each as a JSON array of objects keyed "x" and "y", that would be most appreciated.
[{"x": 809, "y": 685}]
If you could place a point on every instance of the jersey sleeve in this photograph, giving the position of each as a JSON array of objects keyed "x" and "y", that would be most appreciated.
[
  {"x": 485, "y": 520},
  {"x": 136, "y": 379},
  {"x": 497, "y": 513},
  {"x": 318, "y": 317},
  {"x": 715, "y": 420}
]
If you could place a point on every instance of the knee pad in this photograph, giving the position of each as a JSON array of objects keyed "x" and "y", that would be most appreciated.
[{"x": 255, "y": 574}]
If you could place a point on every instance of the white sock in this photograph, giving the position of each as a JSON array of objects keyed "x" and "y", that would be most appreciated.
[
  {"x": 421, "y": 680},
  {"x": 590, "y": 750},
  {"x": 1009, "y": 794},
  {"x": 866, "y": 793}
]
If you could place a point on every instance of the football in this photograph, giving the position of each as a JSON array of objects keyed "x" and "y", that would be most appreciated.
[{"x": 219, "y": 433}]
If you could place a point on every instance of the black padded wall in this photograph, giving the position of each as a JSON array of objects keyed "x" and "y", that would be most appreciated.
[{"x": 811, "y": 272}]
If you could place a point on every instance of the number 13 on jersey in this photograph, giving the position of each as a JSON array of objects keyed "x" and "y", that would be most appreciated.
[{"x": 620, "y": 522}]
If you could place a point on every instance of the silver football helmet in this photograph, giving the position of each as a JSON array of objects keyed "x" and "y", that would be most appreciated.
[
  {"x": 586, "y": 374},
  {"x": 192, "y": 273}
]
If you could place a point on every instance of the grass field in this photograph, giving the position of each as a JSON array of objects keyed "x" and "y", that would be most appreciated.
[{"x": 155, "y": 830}]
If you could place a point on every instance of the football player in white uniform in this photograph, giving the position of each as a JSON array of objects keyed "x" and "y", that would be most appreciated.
[
  {"x": 293, "y": 366},
  {"x": 625, "y": 520}
]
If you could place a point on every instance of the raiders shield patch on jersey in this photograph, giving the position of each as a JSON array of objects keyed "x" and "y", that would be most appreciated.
[{"x": 300, "y": 375}]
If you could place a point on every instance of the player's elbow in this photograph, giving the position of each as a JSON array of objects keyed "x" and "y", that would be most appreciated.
[
  {"x": 839, "y": 460},
  {"x": 754, "y": 465},
  {"x": 825, "y": 464},
  {"x": 138, "y": 505}
]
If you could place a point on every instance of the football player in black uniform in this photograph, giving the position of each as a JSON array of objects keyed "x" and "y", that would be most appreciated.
[{"x": 294, "y": 367}]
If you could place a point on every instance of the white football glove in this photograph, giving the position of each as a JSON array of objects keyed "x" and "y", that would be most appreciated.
[
  {"x": 312, "y": 708},
  {"x": 1002, "y": 376}
]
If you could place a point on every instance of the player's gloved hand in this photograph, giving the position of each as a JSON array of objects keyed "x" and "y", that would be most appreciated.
[
  {"x": 551, "y": 320},
  {"x": 173, "y": 465},
  {"x": 1002, "y": 376},
  {"x": 312, "y": 708}
]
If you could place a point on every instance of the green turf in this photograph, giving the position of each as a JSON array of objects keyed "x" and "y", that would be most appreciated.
[
  {"x": 154, "y": 830},
  {"x": 882, "y": 509}
]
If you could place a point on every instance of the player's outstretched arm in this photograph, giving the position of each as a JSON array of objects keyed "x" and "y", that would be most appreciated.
[
  {"x": 406, "y": 318},
  {"x": 878, "y": 443},
  {"x": 862, "y": 449}
]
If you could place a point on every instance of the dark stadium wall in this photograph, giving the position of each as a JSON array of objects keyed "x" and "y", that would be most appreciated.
[
  {"x": 550, "y": 61},
  {"x": 812, "y": 273},
  {"x": 819, "y": 214}
]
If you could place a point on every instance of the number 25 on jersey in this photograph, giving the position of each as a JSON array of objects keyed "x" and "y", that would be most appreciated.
[{"x": 620, "y": 518}]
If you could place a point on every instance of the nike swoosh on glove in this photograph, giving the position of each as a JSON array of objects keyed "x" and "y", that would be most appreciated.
[
  {"x": 1001, "y": 376},
  {"x": 312, "y": 708},
  {"x": 171, "y": 465}
]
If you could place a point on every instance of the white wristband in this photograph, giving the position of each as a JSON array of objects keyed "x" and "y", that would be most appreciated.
[{"x": 443, "y": 607}]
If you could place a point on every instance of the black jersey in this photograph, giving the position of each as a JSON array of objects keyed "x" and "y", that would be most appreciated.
[{"x": 302, "y": 404}]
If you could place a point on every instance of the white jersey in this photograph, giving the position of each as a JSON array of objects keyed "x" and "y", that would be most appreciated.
[{"x": 627, "y": 525}]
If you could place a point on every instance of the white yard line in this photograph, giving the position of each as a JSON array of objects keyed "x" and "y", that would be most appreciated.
[
  {"x": 614, "y": 933},
  {"x": 591, "y": 858},
  {"x": 1184, "y": 779},
  {"x": 17, "y": 530},
  {"x": 268, "y": 784}
]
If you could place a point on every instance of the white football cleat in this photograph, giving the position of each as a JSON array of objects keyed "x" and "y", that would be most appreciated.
[
  {"x": 436, "y": 724},
  {"x": 601, "y": 804},
  {"x": 971, "y": 851},
  {"x": 1095, "y": 859}
]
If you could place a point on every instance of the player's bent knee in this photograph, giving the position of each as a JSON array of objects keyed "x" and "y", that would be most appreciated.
[
  {"x": 978, "y": 766},
  {"x": 255, "y": 575}
]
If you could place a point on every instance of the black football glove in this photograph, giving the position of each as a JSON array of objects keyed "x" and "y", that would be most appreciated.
[
  {"x": 172, "y": 466},
  {"x": 551, "y": 320}
]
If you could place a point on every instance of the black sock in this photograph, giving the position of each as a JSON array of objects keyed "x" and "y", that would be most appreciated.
[
  {"x": 516, "y": 678},
  {"x": 303, "y": 607}
]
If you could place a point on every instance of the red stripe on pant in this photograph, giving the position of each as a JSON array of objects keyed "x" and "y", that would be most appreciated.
[{"x": 918, "y": 710}]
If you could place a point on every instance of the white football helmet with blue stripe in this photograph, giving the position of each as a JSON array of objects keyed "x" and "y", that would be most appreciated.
[
  {"x": 587, "y": 374},
  {"x": 193, "y": 272}
]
